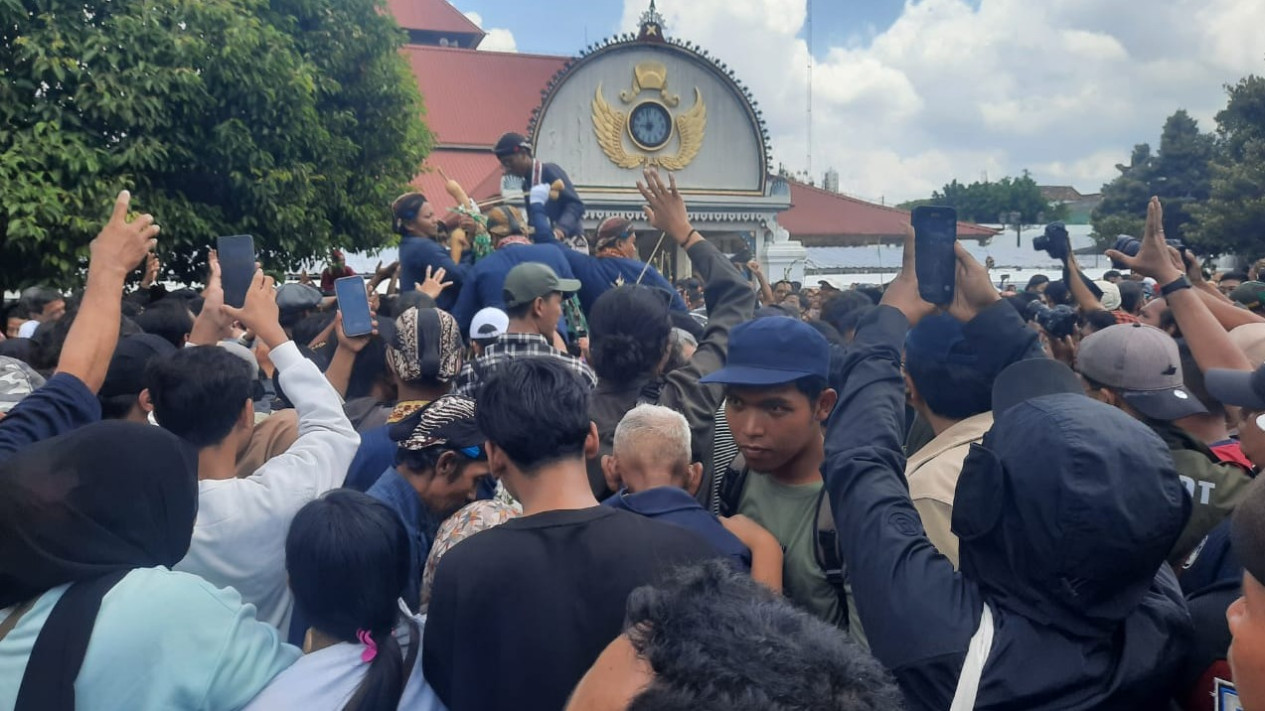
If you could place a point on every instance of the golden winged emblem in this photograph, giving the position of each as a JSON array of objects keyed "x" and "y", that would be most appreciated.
[{"x": 612, "y": 126}]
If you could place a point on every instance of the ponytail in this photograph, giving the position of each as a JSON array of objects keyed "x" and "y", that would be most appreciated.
[{"x": 383, "y": 685}]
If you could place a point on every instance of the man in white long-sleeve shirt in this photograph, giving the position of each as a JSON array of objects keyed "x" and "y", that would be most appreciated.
[{"x": 203, "y": 394}]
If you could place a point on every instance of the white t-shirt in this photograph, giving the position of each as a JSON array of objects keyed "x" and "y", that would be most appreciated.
[{"x": 326, "y": 679}]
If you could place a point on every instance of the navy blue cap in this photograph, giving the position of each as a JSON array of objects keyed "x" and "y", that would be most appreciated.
[
  {"x": 773, "y": 351},
  {"x": 940, "y": 339}
]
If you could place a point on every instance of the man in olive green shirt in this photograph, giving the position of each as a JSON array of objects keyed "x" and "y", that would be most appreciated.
[{"x": 776, "y": 398}]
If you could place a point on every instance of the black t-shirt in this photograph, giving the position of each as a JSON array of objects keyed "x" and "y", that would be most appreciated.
[{"x": 519, "y": 613}]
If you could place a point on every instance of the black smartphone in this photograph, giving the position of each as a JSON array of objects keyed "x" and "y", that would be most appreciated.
[
  {"x": 935, "y": 232},
  {"x": 237, "y": 267},
  {"x": 353, "y": 302}
]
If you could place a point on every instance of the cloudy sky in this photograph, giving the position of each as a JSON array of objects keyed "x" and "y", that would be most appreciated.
[{"x": 908, "y": 95}]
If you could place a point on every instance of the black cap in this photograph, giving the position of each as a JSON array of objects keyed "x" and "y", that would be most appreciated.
[
  {"x": 510, "y": 144},
  {"x": 126, "y": 375},
  {"x": 1240, "y": 388},
  {"x": 1030, "y": 379}
]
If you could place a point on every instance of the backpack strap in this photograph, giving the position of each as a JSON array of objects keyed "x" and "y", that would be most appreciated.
[
  {"x": 49, "y": 681},
  {"x": 826, "y": 551},
  {"x": 727, "y": 487}
]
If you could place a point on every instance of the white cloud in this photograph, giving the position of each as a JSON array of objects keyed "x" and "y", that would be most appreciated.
[
  {"x": 498, "y": 39},
  {"x": 963, "y": 88}
]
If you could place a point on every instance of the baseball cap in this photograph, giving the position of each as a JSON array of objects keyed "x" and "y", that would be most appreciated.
[
  {"x": 773, "y": 351},
  {"x": 489, "y": 323},
  {"x": 1110, "y": 298},
  {"x": 511, "y": 143},
  {"x": 427, "y": 344},
  {"x": 126, "y": 375},
  {"x": 448, "y": 421},
  {"x": 298, "y": 297},
  {"x": 1240, "y": 388},
  {"x": 1032, "y": 378},
  {"x": 1250, "y": 294},
  {"x": 531, "y": 280},
  {"x": 17, "y": 380},
  {"x": 1143, "y": 363}
]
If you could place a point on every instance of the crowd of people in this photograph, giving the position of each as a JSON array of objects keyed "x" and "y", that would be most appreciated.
[{"x": 552, "y": 478}]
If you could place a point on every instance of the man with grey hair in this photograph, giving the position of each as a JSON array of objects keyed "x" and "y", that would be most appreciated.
[{"x": 650, "y": 469}]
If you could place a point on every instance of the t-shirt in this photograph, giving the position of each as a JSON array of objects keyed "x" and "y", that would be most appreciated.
[
  {"x": 790, "y": 514},
  {"x": 162, "y": 640},
  {"x": 519, "y": 612}
]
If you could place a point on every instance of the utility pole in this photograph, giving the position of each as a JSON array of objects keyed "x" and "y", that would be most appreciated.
[{"x": 810, "y": 86}]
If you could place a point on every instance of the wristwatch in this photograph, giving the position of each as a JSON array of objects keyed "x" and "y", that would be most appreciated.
[{"x": 1177, "y": 284}]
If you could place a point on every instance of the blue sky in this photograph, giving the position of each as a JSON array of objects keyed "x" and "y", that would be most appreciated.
[{"x": 547, "y": 29}]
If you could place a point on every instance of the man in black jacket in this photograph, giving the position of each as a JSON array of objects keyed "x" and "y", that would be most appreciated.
[{"x": 1063, "y": 601}]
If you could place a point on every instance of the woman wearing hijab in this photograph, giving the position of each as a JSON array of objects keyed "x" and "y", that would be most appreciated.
[
  {"x": 348, "y": 560},
  {"x": 91, "y": 616}
]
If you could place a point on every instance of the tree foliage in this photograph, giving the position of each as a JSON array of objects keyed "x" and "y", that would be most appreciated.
[
  {"x": 1179, "y": 174},
  {"x": 1232, "y": 220},
  {"x": 988, "y": 201},
  {"x": 295, "y": 121}
]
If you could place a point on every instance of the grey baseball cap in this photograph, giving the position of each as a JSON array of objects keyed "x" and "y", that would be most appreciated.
[
  {"x": 1141, "y": 362},
  {"x": 530, "y": 281},
  {"x": 17, "y": 380}
]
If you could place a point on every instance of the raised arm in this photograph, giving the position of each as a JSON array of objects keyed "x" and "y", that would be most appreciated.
[
  {"x": 118, "y": 249},
  {"x": 766, "y": 291},
  {"x": 1209, "y": 343},
  {"x": 340, "y": 366},
  {"x": 1078, "y": 285},
  {"x": 730, "y": 301},
  {"x": 915, "y": 608},
  {"x": 68, "y": 400},
  {"x": 319, "y": 459}
]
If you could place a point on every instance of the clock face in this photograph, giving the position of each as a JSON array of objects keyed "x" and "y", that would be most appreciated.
[{"x": 650, "y": 125}]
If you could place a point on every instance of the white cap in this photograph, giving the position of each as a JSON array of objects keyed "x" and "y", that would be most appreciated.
[
  {"x": 489, "y": 323},
  {"x": 1110, "y": 295}
]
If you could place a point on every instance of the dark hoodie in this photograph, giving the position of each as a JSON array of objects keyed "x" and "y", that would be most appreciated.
[{"x": 1059, "y": 535}]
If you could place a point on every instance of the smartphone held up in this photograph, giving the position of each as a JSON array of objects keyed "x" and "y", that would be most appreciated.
[
  {"x": 237, "y": 267},
  {"x": 353, "y": 303},
  {"x": 935, "y": 234}
]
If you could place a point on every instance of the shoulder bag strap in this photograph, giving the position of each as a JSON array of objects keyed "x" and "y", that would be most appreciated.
[
  {"x": 973, "y": 668},
  {"x": 49, "y": 681}
]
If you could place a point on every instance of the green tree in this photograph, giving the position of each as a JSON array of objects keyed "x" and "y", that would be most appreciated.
[
  {"x": 296, "y": 122},
  {"x": 1232, "y": 220},
  {"x": 1179, "y": 174},
  {"x": 987, "y": 201}
]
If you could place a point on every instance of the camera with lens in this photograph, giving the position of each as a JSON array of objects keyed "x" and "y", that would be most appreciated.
[
  {"x": 1130, "y": 246},
  {"x": 1059, "y": 322},
  {"x": 1054, "y": 242}
]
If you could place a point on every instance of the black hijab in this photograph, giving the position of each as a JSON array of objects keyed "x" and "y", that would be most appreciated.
[{"x": 105, "y": 498}]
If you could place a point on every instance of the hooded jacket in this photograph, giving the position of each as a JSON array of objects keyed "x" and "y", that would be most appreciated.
[{"x": 1060, "y": 537}]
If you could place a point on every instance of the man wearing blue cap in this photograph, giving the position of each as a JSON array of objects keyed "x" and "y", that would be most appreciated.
[{"x": 777, "y": 396}]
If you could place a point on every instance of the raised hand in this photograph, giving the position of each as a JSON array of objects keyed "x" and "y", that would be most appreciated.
[
  {"x": 665, "y": 207},
  {"x": 1154, "y": 258},
  {"x": 975, "y": 291},
  {"x": 121, "y": 245},
  {"x": 260, "y": 312},
  {"x": 434, "y": 284},
  {"x": 902, "y": 292}
]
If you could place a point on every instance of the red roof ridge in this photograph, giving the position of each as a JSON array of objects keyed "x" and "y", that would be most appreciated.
[
  {"x": 433, "y": 16},
  {"x": 485, "y": 52},
  {"x": 845, "y": 196}
]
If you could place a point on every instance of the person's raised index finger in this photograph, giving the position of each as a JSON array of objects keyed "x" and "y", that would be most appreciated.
[
  {"x": 120, "y": 206},
  {"x": 672, "y": 185}
]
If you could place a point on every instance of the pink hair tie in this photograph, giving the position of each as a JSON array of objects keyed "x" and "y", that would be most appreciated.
[{"x": 371, "y": 647}]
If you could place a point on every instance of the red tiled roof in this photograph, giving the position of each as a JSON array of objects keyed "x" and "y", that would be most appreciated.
[
  {"x": 473, "y": 97},
  {"x": 478, "y": 172},
  {"x": 821, "y": 218},
  {"x": 432, "y": 15}
]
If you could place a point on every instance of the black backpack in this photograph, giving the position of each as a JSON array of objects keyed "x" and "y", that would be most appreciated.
[{"x": 727, "y": 492}]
